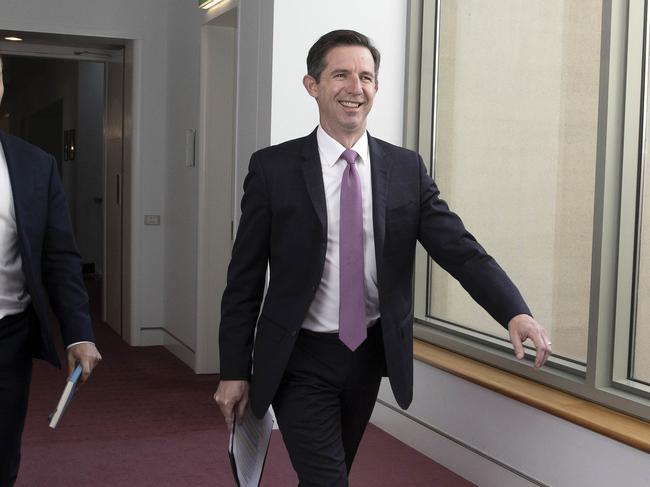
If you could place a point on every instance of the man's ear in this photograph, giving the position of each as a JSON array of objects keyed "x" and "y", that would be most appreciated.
[{"x": 311, "y": 85}]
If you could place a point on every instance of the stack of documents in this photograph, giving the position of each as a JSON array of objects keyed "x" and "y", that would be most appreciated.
[{"x": 249, "y": 443}]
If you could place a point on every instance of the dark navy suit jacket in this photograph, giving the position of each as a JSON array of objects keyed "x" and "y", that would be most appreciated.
[
  {"x": 284, "y": 224},
  {"x": 50, "y": 259}
]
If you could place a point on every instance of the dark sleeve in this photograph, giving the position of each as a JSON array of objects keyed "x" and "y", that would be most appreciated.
[
  {"x": 448, "y": 242},
  {"x": 246, "y": 277},
  {"x": 61, "y": 267}
]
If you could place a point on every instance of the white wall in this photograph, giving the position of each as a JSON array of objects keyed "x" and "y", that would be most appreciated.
[
  {"x": 255, "y": 52},
  {"x": 183, "y": 67},
  {"x": 298, "y": 24},
  {"x": 495, "y": 441}
]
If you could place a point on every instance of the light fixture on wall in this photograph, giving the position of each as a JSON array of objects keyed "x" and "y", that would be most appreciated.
[
  {"x": 69, "y": 137},
  {"x": 13, "y": 38},
  {"x": 206, "y": 4}
]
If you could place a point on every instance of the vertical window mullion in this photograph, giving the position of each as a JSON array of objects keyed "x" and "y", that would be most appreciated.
[{"x": 631, "y": 159}]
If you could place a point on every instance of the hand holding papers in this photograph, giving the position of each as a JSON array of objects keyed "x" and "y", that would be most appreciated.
[
  {"x": 249, "y": 442},
  {"x": 66, "y": 397}
]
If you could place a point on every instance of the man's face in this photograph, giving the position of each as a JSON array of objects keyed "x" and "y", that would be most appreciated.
[{"x": 345, "y": 91}]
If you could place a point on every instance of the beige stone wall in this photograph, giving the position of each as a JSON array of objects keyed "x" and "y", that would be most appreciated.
[{"x": 516, "y": 153}]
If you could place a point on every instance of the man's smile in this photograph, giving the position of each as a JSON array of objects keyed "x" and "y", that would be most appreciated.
[{"x": 350, "y": 104}]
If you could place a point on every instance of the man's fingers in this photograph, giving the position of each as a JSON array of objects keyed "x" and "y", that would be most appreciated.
[
  {"x": 85, "y": 354},
  {"x": 241, "y": 409},
  {"x": 86, "y": 369},
  {"x": 229, "y": 416},
  {"x": 517, "y": 345},
  {"x": 227, "y": 409},
  {"x": 542, "y": 350},
  {"x": 232, "y": 397},
  {"x": 72, "y": 363},
  {"x": 521, "y": 328}
]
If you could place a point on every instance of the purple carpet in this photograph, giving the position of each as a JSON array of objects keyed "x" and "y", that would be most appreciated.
[{"x": 145, "y": 419}]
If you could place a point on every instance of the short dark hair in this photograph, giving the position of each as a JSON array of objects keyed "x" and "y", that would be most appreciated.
[{"x": 336, "y": 38}]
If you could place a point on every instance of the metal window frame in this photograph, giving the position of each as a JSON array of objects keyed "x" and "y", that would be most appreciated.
[{"x": 621, "y": 123}]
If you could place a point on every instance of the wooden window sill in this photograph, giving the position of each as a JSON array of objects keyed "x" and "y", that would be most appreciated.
[{"x": 615, "y": 425}]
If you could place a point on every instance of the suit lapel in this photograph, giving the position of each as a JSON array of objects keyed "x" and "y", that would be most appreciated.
[
  {"x": 311, "y": 168},
  {"x": 380, "y": 166}
]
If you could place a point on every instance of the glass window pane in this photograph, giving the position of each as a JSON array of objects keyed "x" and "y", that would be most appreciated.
[{"x": 516, "y": 153}]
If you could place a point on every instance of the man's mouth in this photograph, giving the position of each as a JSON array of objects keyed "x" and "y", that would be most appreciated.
[{"x": 350, "y": 104}]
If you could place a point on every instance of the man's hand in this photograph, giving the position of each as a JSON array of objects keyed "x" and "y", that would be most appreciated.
[
  {"x": 232, "y": 394},
  {"x": 522, "y": 327},
  {"x": 87, "y": 355}
]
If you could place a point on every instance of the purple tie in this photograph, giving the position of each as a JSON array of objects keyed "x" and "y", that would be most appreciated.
[{"x": 352, "y": 308}]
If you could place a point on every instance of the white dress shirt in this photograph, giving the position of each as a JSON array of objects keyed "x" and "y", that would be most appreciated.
[
  {"x": 323, "y": 314},
  {"x": 13, "y": 294}
]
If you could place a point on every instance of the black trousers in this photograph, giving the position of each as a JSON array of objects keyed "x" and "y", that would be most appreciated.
[
  {"x": 16, "y": 337},
  {"x": 324, "y": 403}
]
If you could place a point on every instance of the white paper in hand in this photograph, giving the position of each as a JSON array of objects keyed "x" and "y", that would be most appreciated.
[{"x": 249, "y": 443}]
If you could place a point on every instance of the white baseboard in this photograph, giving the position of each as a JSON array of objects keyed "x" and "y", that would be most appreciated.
[
  {"x": 160, "y": 336},
  {"x": 451, "y": 454},
  {"x": 152, "y": 336}
]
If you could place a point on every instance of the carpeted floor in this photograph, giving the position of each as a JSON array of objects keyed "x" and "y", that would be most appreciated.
[{"x": 145, "y": 419}]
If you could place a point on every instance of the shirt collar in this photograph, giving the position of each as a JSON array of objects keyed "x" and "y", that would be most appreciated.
[
  {"x": 330, "y": 149},
  {"x": 3, "y": 159}
]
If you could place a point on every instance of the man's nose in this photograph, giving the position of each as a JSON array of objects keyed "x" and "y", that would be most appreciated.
[{"x": 354, "y": 84}]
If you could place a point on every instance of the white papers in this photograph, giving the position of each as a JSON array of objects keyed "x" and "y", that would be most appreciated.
[
  {"x": 249, "y": 442},
  {"x": 66, "y": 396}
]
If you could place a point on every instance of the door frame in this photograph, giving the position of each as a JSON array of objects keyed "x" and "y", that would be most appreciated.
[{"x": 216, "y": 168}]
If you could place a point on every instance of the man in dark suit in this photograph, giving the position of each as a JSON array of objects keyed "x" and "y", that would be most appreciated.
[
  {"x": 39, "y": 266},
  {"x": 336, "y": 216}
]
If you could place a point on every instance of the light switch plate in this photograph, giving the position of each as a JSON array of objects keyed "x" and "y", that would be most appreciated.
[{"x": 152, "y": 219}]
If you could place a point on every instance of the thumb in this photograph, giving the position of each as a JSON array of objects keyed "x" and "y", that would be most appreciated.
[{"x": 72, "y": 363}]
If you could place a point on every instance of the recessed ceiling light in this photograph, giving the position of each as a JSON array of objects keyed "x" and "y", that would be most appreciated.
[
  {"x": 206, "y": 4},
  {"x": 13, "y": 38}
]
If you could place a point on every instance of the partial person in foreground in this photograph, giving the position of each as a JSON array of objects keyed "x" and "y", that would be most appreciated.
[
  {"x": 336, "y": 216},
  {"x": 39, "y": 266}
]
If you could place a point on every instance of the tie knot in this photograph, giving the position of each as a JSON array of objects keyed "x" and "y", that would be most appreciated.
[{"x": 350, "y": 156}]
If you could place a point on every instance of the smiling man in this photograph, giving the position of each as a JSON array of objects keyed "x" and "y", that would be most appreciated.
[{"x": 336, "y": 216}]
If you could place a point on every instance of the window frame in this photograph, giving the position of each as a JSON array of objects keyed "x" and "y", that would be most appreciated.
[{"x": 620, "y": 151}]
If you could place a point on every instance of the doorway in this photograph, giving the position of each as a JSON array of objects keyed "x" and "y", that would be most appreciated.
[{"x": 69, "y": 101}]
